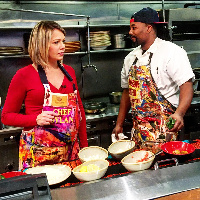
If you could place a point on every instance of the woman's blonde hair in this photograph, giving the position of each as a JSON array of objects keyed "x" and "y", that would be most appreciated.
[{"x": 39, "y": 42}]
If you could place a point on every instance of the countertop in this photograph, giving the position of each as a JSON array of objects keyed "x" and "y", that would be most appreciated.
[
  {"x": 147, "y": 184},
  {"x": 113, "y": 109}
]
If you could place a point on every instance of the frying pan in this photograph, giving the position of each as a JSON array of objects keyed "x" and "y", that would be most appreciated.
[
  {"x": 178, "y": 148},
  {"x": 94, "y": 107}
]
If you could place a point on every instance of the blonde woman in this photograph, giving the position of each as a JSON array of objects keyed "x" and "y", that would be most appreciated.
[{"x": 54, "y": 120}]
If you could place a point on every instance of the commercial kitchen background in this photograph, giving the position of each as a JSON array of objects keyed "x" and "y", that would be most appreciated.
[
  {"x": 99, "y": 81},
  {"x": 106, "y": 13}
]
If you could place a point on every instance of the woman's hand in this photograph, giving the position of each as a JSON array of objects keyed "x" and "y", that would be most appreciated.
[{"x": 46, "y": 118}]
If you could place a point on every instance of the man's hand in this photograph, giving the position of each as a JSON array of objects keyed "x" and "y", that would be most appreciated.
[
  {"x": 123, "y": 110},
  {"x": 179, "y": 123},
  {"x": 117, "y": 130},
  {"x": 185, "y": 99}
]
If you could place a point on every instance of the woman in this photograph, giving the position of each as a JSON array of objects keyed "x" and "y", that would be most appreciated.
[{"x": 54, "y": 120}]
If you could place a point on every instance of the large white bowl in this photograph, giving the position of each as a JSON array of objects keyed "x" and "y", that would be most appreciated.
[
  {"x": 131, "y": 164},
  {"x": 55, "y": 173},
  {"x": 121, "y": 148},
  {"x": 94, "y": 175},
  {"x": 92, "y": 153}
]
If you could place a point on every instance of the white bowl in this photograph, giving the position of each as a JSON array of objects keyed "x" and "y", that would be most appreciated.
[
  {"x": 55, "y": 173},
  {"x": 94, "y": 175},
  {"x": 121, "y": 148},
  {"x": 92, "y": 153},
  {"x": 130, "y": 162}
]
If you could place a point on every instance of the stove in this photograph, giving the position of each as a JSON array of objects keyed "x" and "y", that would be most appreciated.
[{"x": 100, "y": 126}]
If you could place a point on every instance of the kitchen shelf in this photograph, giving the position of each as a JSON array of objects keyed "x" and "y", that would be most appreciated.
[
  {"x": 31, "y": 26},
  {"x": 92, "y": 52},
  {"x": 75, "y": 53},
  {"x": 193, "y": 52},
  {"x": 27, "y": 56},
  {"x": 22, "y": 27},
  {"x": 111, "y": 50},
  {"x": 11, "y": 130},
  {"x": 108, "y": 25},
  {"x": 15, "y": 56},
  {"x": 65, "y": 24}
]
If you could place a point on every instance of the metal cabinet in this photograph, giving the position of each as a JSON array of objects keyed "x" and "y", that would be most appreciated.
[
  {"x": 100, "y": 130},
  {"x": 9, "y": 149},
  {"x": 192, "y": 123}
]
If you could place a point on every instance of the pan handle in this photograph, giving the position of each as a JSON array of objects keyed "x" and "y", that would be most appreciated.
[{"x": 156, "y": 165}]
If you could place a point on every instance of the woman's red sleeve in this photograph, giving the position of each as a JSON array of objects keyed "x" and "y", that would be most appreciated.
[{"x": 15, "y": 97}]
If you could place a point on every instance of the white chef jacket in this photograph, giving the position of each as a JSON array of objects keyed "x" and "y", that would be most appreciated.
[{"x": 170, "y": 67}]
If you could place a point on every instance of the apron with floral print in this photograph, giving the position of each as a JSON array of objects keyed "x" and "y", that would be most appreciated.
[
  {"x": 149, "y": 107},
  {"x": 57, "y": 142}
]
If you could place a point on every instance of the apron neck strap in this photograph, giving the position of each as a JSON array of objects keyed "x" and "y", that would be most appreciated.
[
  {"x": 43, "y": 76},
  {"x": 135, "y": 61},
  {"x": 66, "y": 74},
  {"x": 150, "y": 57}
]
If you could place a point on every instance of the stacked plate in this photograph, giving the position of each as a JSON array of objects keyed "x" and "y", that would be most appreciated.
[
  {"x": 100, "y": 40},
  {"x": 71, "y": 47},
  {"x": 6, "y": 51}
]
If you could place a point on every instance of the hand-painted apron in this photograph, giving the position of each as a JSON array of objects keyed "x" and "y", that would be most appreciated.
[
  {"x": 57, "y": 142},
  {"x": 149, "y": 107}
]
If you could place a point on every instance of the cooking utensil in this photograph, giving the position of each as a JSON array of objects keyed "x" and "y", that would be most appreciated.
[
  {"x": 94, "y": 107},
  {"x": 119, "y": 41},
  {"x": 159, "y": 152},
  {"x": 177, "y": 148},
  {"x": 115, "y": 97}
]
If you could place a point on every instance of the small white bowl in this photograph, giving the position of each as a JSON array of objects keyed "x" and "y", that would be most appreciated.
[
  {"x": 94, "y": 175},
  {"x": 92, "y": 153},
  {"x": 131, "y": 164},
  {"x": 121, "y": 148}
]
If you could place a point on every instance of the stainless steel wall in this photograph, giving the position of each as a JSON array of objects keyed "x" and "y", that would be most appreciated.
[
  {"x": 106, "y": 10},
  {"x": 109, "y": 65}
]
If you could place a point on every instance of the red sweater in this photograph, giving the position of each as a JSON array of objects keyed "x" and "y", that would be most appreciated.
[{"x": 26, "y": 87}]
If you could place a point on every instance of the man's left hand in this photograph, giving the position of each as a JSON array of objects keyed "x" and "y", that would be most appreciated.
[{"x": 178, "y": 124}]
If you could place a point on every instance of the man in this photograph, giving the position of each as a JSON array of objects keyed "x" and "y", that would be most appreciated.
[{"x": 157, "y": 79}]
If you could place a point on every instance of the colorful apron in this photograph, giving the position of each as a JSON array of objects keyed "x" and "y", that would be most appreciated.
[
  {"x": 149, "y": 107},
  {"x": 57, "y": 142}
]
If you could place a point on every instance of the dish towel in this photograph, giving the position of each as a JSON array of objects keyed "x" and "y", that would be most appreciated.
[{"x": 120, "y": 135}]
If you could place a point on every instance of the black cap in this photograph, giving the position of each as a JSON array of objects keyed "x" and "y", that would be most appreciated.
[{"x": 146, "y": 15}]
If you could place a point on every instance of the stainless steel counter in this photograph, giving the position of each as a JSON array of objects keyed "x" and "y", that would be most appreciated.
[
  {"x": 147, "y": 184},
  {"x": 113, "y": 109}
]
